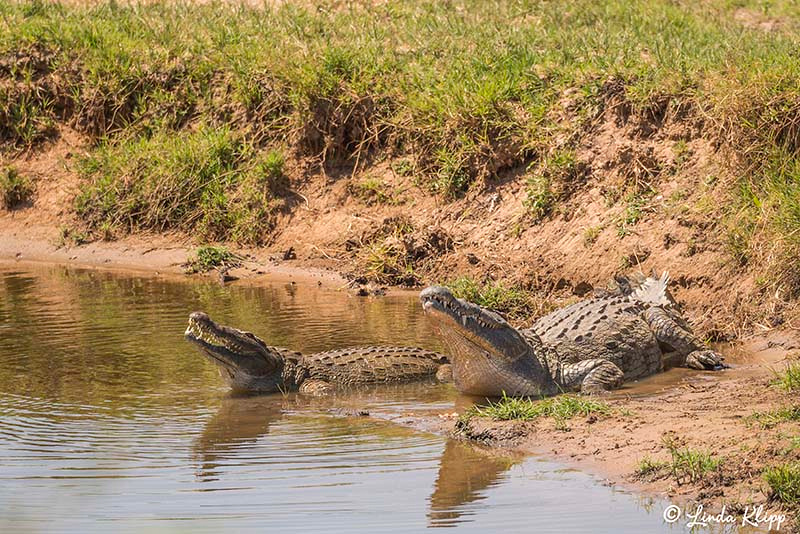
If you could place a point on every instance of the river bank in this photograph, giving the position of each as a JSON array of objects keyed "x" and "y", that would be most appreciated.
[
  {"x": 732, "y": 416},
  {"x": 654, "y": 430}
]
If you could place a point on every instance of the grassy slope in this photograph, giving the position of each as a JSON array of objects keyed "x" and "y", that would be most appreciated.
[{"x": 192, "y": 109}]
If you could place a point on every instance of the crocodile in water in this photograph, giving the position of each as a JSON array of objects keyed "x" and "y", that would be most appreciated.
[{"x": 251, "y": 365}]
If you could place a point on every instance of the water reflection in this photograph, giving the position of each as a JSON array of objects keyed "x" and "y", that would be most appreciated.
[
  {"x": 109, "y": 421},
  {"x": 239, "y": 421},
  {"x": 466, "y": 472}
]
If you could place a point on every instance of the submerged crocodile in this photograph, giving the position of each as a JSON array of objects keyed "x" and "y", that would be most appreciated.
[
  {"x": 592, "y": 345},
  {"x": 249, "y": 364}
]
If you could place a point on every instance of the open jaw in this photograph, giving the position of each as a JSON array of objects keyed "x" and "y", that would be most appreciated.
[
  {"x": 240, "y": 356},
  {"x": 489, "y": 356},
  {"x": 483, "y": 328}
]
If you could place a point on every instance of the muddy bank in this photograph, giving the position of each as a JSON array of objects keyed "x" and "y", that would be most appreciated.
[
  {"x": 713, "y": 412},
  {"x": 722, "y": 414},
  {"x": 22, "y": 241}
]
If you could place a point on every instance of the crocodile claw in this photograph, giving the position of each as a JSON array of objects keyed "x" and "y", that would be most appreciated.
[{"x": 705, "y": 360}]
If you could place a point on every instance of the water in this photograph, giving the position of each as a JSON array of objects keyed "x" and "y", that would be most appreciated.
[{"x": 109, "y": 421}]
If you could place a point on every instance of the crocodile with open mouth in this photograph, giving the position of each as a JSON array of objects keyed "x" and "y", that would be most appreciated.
[
  {"x": 591, "y": 346},
  {"x": 249, "y": 364}
]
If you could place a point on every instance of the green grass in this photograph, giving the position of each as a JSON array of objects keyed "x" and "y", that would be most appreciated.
[
  {"x": 789, "y": 378},
  {"x": 461, "y": 91},
  {"x": 388, "y": 262},
  {"x": 684, "y": 465},
  {"x": 784, "y": 482},
  {"x": 211, "y": 182},
  {"x": 549, "y": 181},
  {"x": 590, "y": 235},
  {"x": 647, "y": 466},
  {"x": 515, "y": 302},
  {"x": 372, "y": 190},
  {"x": 560, "y": 407},
  {"x": 14, "y": 188},
  {"x": 775, "y": 417},
  {"x": 635, "y": 207},
  {"x": 210, "y": 257},
  {"x": 687, "y": 464}
]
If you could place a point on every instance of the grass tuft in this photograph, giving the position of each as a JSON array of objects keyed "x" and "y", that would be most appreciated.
[
  {"x": 774, "y": 418},
  {"x": 560, "y": 407},
  {"x": 784, "y": 482},
  {"x": 550, "y": 181},
  {"x": 789, "y": 378},
  {"x": 210, "y": 257},
  {"x": 648, "y": 467},
  {"x": 15, "y": 188},
  {"x": 689, "y": 464},
  {"x": 515, "y": 302}
]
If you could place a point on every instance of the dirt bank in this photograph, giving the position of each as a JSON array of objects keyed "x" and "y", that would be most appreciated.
[
  {"x": 723, "y": 414},
  {"x": 389, "y": 231}
]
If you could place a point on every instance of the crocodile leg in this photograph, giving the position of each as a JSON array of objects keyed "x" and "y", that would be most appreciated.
[
  {"x": 689, "y": 351},
  {"x": 591, "y": 376}
]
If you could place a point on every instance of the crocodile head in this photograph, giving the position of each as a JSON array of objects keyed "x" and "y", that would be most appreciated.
[
  {"x": 242, "y": 358},
  {"x": 488, "y": 355}
]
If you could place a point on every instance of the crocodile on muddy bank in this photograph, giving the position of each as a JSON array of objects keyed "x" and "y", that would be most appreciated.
[
  {"x": 249, "y": 364},
  {"x": 591, "y": 346}
]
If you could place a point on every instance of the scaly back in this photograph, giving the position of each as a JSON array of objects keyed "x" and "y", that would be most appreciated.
[
  {"x": 372, "y": 365},
  {"x": 581, "y": 319}
]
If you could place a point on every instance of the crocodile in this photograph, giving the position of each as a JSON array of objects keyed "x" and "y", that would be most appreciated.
[
  {"x": 490, "y": 358},
  {"x": 639, "y": 328},
  {"x": 249, "y": 364},
  {"x": 592, "y": 346}
]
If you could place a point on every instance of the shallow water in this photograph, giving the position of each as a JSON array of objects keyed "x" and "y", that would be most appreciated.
[{"x": 109, "y": 421}]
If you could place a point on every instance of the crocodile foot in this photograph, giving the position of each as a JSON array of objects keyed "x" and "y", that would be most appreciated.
[
  {"x": 603, "y": 378},
  {"x": 705, "y": 360}
]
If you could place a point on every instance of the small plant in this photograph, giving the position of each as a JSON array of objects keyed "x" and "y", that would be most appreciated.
[
  {"x": 452, "y": 177},
  {"x": 648, "y": 467},
  {"x": 560, "y": 408},
  {"x": 14, "y": 188},
  {"x": 403, "y": 167},
  {"x": 106, "y": 230},
  {"x": 784, "y": 482},
  {"x": 789, "y": 378},
  {"x": 513, "y": 301},
  {"x": 387, "y": 262},
  {"x": 209, "y": 257},
  {"x": 689, "y": 464},
  {"x": 372, "y": 191},
  {"x": 773, "y": 418},
  {"x": 634, "y": 210},
  {"x": 272, "y": 166},
  {"x": 70, "y": 236},
  {"x": 682, "y": 153},
  {"x": 590, "y": 235},
  {"x": 540, "y": 198},
  {"x": 553, "y": 176}
]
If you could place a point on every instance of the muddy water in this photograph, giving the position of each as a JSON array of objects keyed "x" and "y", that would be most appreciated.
[{"x": 109, "y": 421}]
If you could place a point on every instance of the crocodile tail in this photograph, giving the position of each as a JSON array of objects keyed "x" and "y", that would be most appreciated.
[{"x": 654, "y": 291}]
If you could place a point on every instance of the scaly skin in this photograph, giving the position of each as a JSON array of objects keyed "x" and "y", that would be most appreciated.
[
  {"x": 641, "y": 332},
  {"x": 593, "y": 345},
  {"x": 491, "y": 358},
  {"x": 251, "y": 365}
]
